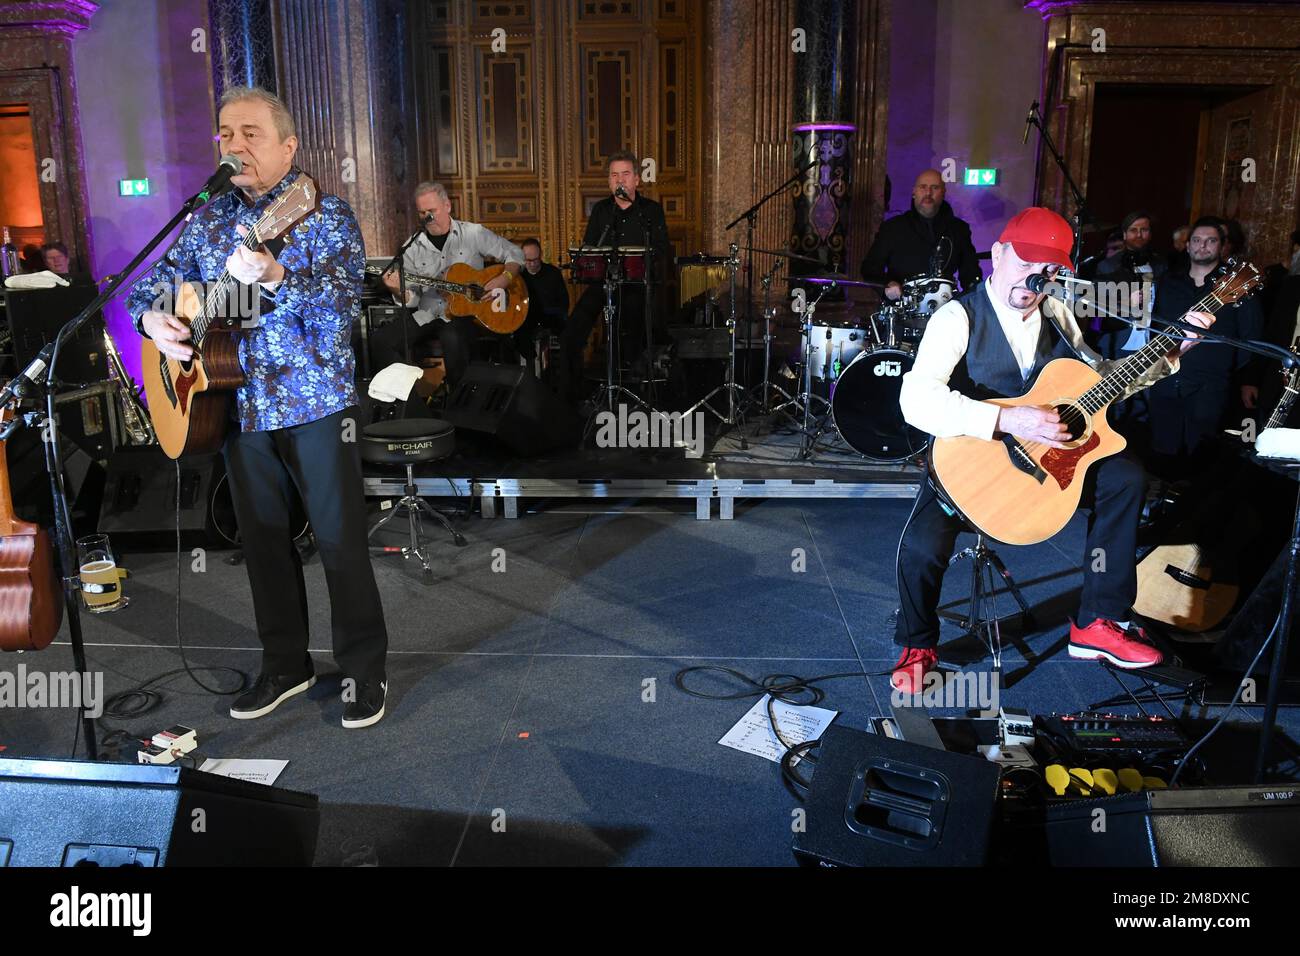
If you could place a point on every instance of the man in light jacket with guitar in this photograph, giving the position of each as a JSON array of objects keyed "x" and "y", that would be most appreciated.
[{"x": 990, "y": 343}]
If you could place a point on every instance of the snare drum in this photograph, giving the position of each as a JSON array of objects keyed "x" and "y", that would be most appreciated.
[
  {"x": 589, "y": 262},
  {"x": 926, "y": 294},
  {"x": 866, "y": 408},
  {"x": 834, "y": 349}
]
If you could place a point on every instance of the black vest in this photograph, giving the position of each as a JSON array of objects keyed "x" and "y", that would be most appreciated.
[{"x": 989, "y": 368}]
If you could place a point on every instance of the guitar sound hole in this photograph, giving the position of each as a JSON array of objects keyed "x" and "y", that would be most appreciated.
[{"x": 1074, "y": 419}]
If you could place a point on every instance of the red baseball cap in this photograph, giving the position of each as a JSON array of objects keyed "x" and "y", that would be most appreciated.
[{"x": 1040, "y": 235}]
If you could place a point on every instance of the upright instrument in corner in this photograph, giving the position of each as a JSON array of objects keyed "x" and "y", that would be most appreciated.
[
  {"x": 1022, "y": 492},
  {"x": 190, "y": 401},
  {"x": 31, "y": 598}
]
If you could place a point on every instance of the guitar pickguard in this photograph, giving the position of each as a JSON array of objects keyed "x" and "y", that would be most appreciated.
[{"x": 1061, "y": 463}]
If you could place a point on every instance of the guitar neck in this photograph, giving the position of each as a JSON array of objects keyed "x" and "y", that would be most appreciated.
[
  {"x": 442, "y": 285},
  {"x": 1130, "y": 370},
  {"x": 212, "y": 300}
]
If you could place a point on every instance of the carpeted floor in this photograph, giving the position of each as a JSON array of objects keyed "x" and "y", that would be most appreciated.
[{"x": 532, "y": 715}]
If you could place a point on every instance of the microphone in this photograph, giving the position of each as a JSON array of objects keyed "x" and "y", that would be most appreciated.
[
  {"x": 1042, "y": 285},
  {"x": 1029, "y": 121},
  {"x": 228, "y": 167},
  {"x": 426, "y": 219},
  {"x": 621, "y": 193}
]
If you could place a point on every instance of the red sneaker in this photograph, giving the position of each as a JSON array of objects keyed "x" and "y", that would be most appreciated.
[
  {"x": 913, "y": 665},
  {"x": 1129, "y": 649}
]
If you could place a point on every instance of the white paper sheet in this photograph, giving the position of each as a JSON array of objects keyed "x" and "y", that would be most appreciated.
[
  {"x": 254, "y": 771},
  {"x": 753, "y": 732}
]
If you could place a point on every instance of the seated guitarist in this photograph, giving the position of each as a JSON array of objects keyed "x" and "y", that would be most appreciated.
[
  {"x": 992, "y": 342},
  {"x": 443, "y": 242},
  {"x": 297, "y": 419}
]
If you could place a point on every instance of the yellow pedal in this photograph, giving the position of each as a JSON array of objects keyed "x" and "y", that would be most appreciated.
[
  {"x": 1081, "y": 781},
  {"x": 1130, "y": 780},
  {"x": 1058, "y": 778},
  {"x": 1154, "y": 783},
  {"x": 1106, "y": 781}
]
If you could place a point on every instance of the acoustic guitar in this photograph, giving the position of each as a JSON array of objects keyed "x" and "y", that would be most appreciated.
[
  {"x": 31, "y": 597},
  {"x": 1023, "y": 492},
  {"x": 190, "y": 401},
  {"x": 1177, "y": 583},
  {"x": 463, "y": 286}
]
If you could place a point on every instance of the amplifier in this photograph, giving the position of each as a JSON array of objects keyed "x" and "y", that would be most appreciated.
[{"x": 91, "y": 418}]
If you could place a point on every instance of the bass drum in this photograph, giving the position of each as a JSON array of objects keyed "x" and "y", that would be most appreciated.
[{"x": 866, "y": 410}]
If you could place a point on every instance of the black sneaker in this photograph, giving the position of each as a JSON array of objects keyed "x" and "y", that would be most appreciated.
[
  {"x": 368, "y": 708},
  {"x": 268, "y": 693}
]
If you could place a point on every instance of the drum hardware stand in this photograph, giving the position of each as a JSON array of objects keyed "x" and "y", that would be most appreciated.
[
  {"x": 729, "y": 385},
  {"x": 611, "y": 388},
  {"x": 749, "y": 216},
  {"x": 804, "y": 400},
  {"x": 983, "y": 585},
  {"x": 769, "y": 314}
]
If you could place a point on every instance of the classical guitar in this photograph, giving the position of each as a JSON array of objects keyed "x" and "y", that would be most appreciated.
[
  {"x": 1022, "y": 492},
  {"x": 463, "y": 286},
  {"x": 1177, "y": 583},
  {"x": 190, "y": 401},
  {"x": 31, "y": 598}
]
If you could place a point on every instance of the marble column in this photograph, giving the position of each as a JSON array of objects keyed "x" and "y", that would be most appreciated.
[
  {"x": 243, "y": 44},
  {"x": 824, "y": 130}
]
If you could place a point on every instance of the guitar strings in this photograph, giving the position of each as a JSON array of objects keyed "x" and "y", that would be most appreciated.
[{"x": 1074, "y": 416}]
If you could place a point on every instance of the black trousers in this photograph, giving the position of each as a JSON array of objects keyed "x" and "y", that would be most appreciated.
[
  {"x": 1113, "y": 493},
  {"x": 629, "y": 321},
  {"x": 324, "y": 464}
]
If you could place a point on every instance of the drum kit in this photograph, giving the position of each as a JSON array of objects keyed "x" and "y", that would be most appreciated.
[{"x": 852, "y": 370}]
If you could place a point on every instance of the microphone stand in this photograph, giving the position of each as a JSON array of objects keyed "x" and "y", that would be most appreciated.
[
  {"x": 1081, "y": 214},
  {"x": 750, "y": 215},
  {"x": 400, "y": 261},
  {"x": 18, "y": 387}
]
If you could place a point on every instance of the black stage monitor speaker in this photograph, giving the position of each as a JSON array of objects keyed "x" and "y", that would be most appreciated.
[
  {"x": 35, "y": 317},
  {"x": 508, "y": 402},
  {"x": 83, "y": 813},
  {"x": 1254, "y": 825},
  {"x": 140, "y": 494},
  {"x": 875, "y": 801}
]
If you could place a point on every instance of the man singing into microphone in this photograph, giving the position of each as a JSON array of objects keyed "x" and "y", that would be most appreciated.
[
  {"x": 297, "y": 420},
  {"x": 442, "y": 242},
  {"x": 625, "y": 218},
  {"x": 992, "y": 342}
]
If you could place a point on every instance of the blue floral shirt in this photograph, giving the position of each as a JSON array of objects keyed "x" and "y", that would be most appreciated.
[{"x": 297, "y": 359}]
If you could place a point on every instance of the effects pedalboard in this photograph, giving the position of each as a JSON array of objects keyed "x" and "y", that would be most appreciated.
[{"x": 1102, "y": 734}]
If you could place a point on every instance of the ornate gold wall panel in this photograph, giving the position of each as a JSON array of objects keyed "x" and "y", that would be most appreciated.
[
  {"x": 1215, "y": 45},
  {"x": 520, "y": 137}
]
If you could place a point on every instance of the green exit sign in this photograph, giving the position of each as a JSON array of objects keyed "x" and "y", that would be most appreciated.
[
  {"x": 133, "y": 187},
  {"x": 981, "y": 177}
]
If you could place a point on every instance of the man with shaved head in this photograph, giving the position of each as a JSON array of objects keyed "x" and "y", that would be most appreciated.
[{"x": 927, "y": 234}]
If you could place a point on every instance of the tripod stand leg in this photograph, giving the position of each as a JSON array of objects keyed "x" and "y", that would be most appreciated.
[{"x": 1026, "y": 615}]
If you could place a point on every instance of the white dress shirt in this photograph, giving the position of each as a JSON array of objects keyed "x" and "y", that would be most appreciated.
[{"x": 930, "y": 405}]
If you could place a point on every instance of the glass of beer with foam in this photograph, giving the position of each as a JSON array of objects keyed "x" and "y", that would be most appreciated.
[{"x": 101, "y": 578}]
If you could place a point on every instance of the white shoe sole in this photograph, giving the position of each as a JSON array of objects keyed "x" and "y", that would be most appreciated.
[
  {"x": 263, "y": 711},
  {"x": 358, "y": 724},
  {"x": 1094, "y": 653}
]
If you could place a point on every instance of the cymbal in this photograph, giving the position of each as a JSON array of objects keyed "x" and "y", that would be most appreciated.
[
  {"x": 787, "y": 255},
  {"x": 838, "y": 279},
  {"x": 701, "y": 259}
]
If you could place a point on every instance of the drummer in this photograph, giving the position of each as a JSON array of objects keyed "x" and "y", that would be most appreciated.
[
  {"x": 624, "y": 218},
  {"x": 928, "y": 239}
]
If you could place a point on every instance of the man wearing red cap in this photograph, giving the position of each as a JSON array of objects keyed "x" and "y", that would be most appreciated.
[{"x": 992, "y": 342}]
